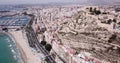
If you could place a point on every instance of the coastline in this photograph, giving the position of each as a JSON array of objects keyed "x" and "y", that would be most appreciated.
[
  {"x": 28, "y": 54},
  {"x": 23, "y": 55}
]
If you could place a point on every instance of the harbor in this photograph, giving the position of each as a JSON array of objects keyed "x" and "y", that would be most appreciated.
[{"x": 14, "y": 20}]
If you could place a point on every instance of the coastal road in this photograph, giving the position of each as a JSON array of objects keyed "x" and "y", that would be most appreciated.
[
  {"x": 33, "y": 35},
  {"x": 36, "y": 42}
]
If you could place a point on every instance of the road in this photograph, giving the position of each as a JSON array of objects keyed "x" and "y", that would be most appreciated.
[{"x": 36, "y": 42}]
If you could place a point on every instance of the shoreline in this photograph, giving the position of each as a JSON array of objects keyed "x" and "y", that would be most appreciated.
[
  {"x": 29, "y": 55},
  {"x": 23, "y": 55}
]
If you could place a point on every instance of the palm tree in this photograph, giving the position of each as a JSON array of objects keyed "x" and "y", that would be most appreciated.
[{"x": 48, "y": 47}]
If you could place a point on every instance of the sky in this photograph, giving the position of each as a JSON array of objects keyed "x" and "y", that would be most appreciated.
[
  {"x": 53, "y": 1},
  {"x": 35, "y": 1}
]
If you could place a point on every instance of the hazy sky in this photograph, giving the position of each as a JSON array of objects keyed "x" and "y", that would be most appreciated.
[
  {"x": 58, "y": 1},
  {"x": 34, "y": 1}
]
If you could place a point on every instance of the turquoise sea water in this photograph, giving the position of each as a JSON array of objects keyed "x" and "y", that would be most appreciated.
[{"x": 9, "y": 53}]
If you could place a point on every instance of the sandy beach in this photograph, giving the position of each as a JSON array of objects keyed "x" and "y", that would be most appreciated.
[{"x": 27, "y": 54}]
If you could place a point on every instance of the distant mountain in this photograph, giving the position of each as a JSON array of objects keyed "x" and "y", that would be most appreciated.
[{"x": 100, "y": 2}]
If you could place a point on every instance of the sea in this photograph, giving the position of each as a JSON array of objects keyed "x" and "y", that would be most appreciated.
[{"x": 9, "y": 53}]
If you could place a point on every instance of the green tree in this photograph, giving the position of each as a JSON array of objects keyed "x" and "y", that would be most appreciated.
[
  {"x": 97, "y": 12},
  {"x": 48, "y": 47},
  {"x": 5, "y": 29},
  {"x": 95, "y": 9},
  {"x": 109, "y": 21},
  {"x": 91, "y": 9},
  {"x": 43, "y": 43},
  {"x": 118, "y": 23},
  {"x": 113, "y": 37},
  {"x": 114, "y": 20}
]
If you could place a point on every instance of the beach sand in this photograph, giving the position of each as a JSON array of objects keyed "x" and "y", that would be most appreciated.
[{"x": 27, "y": 54}]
